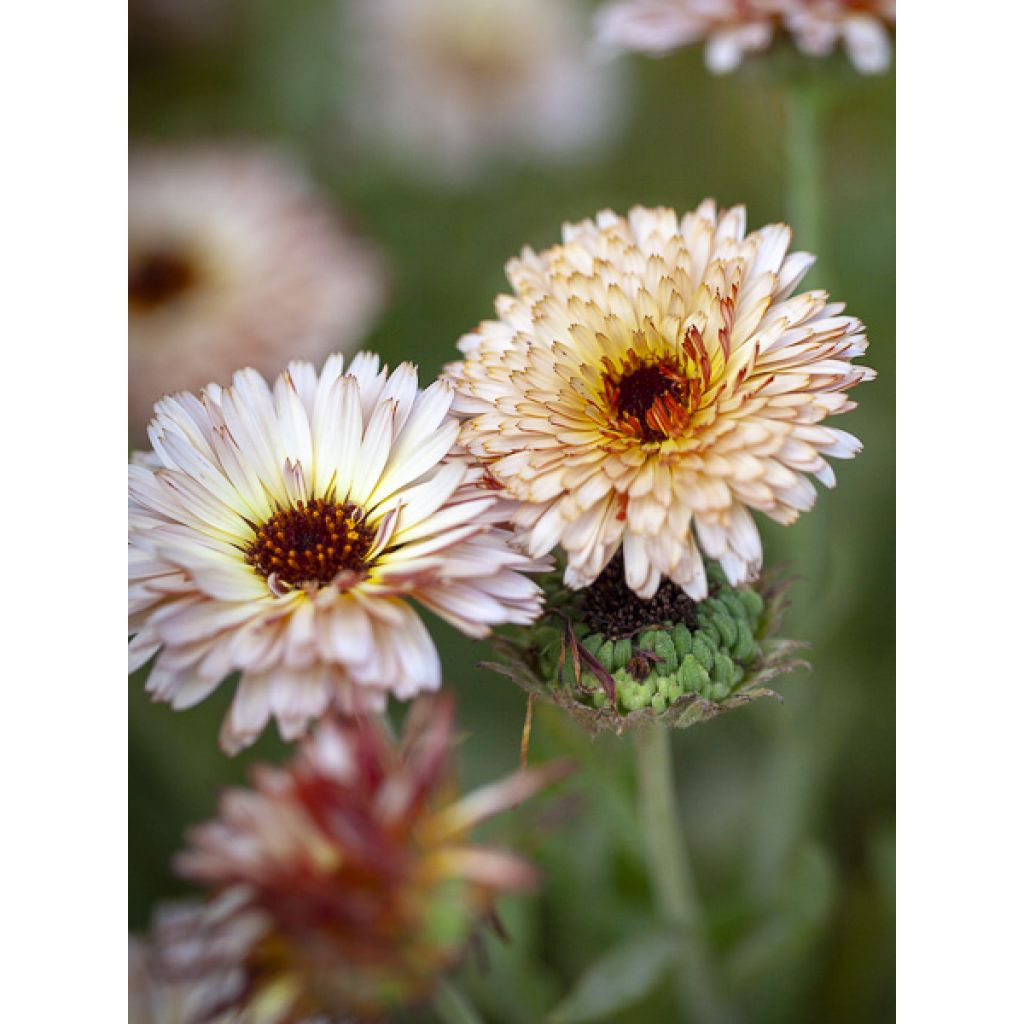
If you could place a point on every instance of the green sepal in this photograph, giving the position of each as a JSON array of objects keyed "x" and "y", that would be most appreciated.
[
  {"x": 622, "y": 653},
  {"x": 703, "y": 650},
  {"x": 645, "y": 641},
  {"x": 726, "y": 626},
  {"x": 753, "y": 602},
  {"x": 692, "y": 674},
  {"x": 734, "y": 606},
  {"x": 722, "y": 670},
  {"x": 746, "y": 645},
  {"x": 666, "y": 651},
  {"x": 682, "y": 640},
  {"x": 707, "y": 631}
]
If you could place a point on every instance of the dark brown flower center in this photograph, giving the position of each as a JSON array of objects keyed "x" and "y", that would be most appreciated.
[
  {"x": 311, "y": 542},
  {"x": 157, "y": 278},
  {"x": 651, "y": 401},
  {"x": 610, "y": 607},
  {"x": 639, "y": 390}
]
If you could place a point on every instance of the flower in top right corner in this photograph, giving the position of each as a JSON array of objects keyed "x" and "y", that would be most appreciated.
[
  {"x": 651, "y": 380},
  {"x": 733, "y": 28}
]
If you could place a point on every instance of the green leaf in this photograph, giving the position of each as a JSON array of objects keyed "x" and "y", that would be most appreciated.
[
  {"x": 804, "y": 903},
  {"x": 621, "y": 977}
]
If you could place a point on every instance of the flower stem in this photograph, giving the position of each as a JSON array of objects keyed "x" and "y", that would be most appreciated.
[
  {"x": 672, "y": 875},
  {"x": 452, "y": 1006},
  {"x": 792, "y": 777},
  {"x": 810, "y": 542},
  {"x": 805, "y": 184}
]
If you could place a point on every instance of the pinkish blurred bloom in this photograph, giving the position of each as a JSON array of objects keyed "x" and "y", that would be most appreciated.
[
  {"x": 731, "y": 29},
  {"x": 344, "y": 883},
  {"x": 233, "y": 260},
  {"x": 450, "y": 85}
]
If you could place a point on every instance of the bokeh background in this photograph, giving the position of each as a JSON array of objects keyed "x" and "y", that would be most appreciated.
[{"x": 789, "y": 809}]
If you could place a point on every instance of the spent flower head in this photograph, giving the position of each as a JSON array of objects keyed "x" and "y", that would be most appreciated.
[
  {"x": 615, "y": 660},
  {"x": 345, "y": 883}
]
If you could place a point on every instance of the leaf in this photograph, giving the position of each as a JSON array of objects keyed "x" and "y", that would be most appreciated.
[
  {"x": 620, "y": 978},
  {"x": 804, "y": 903}
]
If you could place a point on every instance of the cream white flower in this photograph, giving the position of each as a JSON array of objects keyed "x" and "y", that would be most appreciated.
[
  {"x": 233, "y": 260},
  {"x": 731, "y": 29},
  {"x": 651, "y": 380},
  {"x": 449, "y": 85},
  {"x": 281, "y": 531}
]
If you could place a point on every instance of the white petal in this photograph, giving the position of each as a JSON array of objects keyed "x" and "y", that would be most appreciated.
[
  {"x": 248, "y": 714},
  {"x": 373, "y": 454}
]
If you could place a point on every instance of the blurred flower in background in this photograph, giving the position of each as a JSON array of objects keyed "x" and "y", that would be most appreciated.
[
  {"x": 861, "y": 26},
  {"x": 233, "y": 260},
  {"x": 652, "y": 379},
  {"x": 280, "y": 532},
  {"x": 166, "y": 23},
  {"x": 156, "y": 999},
  {"x": 346, "y": 882},
  {"x": 732, "y": 29},
  {"x": 451, "y": 85}
]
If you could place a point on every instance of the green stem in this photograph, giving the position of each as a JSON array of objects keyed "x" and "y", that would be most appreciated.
[
  {"x": 819, "y": 607},
  {"x": 452, "y": 1006},
  {"x": 671, "y": 873},
  {"x": 809, "y": 543},
  {"x": 792, "y": 778},
  {"x": 805, "y": 184}
]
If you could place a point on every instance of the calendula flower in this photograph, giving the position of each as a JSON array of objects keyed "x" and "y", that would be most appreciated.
[
  {"x": 281, "y": 532},
  {"x": 448, "y": 86},
  {"x": 652, "y": 380},
  {"x": 345, "y": 883},
  {"x": 615, "y": 661},
  {"x": 233, "y": 260},
  {"x": 731, "y": 29}
]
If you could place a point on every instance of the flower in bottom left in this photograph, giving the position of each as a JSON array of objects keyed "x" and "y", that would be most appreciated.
[{"x": 342, "y": 885}]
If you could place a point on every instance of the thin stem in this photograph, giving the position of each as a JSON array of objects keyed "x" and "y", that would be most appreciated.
[
  {"x": 810, "y": 542},
  {"x": 805, "y": 184},
  {"x": 792, "y": 778},
  {"x": 452, "y": 1006},
  {"x": 671, "y": 873}
]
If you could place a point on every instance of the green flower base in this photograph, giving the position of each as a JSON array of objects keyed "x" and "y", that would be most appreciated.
[{"x": 716, "y": 655}]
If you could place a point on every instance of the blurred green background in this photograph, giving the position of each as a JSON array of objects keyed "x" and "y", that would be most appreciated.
[{"x": 789, "y": 809}]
